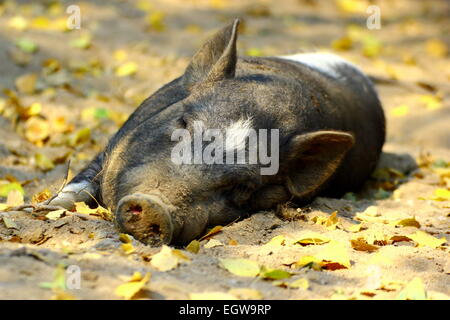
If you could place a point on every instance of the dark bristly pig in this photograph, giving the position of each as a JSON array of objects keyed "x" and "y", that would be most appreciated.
[{"x": 330, "y": 131}]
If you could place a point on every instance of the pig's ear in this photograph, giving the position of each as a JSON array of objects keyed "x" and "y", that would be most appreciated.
[
  {"x": 216, "y": 60},
  {"x": 312, "y": 158}
]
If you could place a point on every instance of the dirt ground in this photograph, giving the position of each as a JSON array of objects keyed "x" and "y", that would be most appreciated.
[{"x": 83, "y": 89}]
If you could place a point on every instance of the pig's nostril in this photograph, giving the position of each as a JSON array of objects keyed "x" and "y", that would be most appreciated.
[{"x": 135, "y": 209}]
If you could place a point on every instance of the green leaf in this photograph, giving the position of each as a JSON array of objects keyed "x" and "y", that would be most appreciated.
[
  {"x": 26, "y": 45},
  {"x": 241, "y": 267}
]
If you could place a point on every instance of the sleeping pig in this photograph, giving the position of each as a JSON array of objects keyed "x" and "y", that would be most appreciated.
[{"x": 231, "y": 136}]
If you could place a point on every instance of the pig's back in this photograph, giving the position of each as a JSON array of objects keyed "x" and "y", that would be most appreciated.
[{"x": 351, "y": 105}]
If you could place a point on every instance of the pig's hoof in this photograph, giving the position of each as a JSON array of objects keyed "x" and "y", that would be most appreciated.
[{"x": 146, "y": 218}]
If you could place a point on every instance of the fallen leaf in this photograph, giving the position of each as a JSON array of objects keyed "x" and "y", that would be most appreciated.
[
  {"x": 26, "y": 45},
  {"x": 9, "y": 223},
  {"x": 59, "y": 278},
  {"x": 83, "y": 42},
  {"x": 274, "y": 274},
  {"x": 301, "y": 283},
  {"x": 26, "y": 83},
  {"x": 408, "y": 222},
  {"x": 128, "y": 248},
  {"x": 276, "y": 241},
  {"x": 361, "y": 245},
  {"x": 126, "y": 69},
  {"x": 312, "y": 238},
  {"x": 309, "y": 262},
  {"x": 43, "y": 162},
  {"x": 431, "y": 102},
  {"x": 211, "y": 232},
  {"x": 414, "y": 290},
  {"x": 436, "y": 48},
  {"x": 246, "y": 293},
  {"x": 330, "y": 222},
  {"x": 167, "y": 259},
  {"x": 18, "y": 23},
  {"x": 213, "y": 243},
  {"x": 6, "y": 188},
  {"x": 41, "y": 196},
  {"x": 400, "y": 111},
  {"x": 441, "y": 194},
  {"x": 37, "y": 129},
  {"x": 55, "y": 215},
  {"x": 423, "y": 239},
  {"x": 334, "y": 256},
  {"x": 60, "y": 294},
  {"x": 135, "y": 285},
  {"x": 15, "y": 198},
  {"x": 241, "y": 267},
  {"x": 213, "y": 295}
]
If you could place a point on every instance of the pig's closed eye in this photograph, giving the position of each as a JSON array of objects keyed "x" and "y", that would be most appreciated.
[{"x": 182, "y": 123}]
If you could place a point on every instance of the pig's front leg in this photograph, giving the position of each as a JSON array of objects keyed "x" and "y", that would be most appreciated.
[{"x": 84, "y": 187}]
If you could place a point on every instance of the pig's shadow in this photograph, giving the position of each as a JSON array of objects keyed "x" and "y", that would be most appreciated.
[{"x": 372, "y": 191}]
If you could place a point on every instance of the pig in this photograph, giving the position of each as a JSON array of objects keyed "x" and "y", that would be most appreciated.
[{"x": 330, "y": 124}]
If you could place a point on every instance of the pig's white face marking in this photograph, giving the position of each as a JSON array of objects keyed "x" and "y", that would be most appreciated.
[
  {"x": 323, "y": 62},
  {"x": 237, "y": 133}
]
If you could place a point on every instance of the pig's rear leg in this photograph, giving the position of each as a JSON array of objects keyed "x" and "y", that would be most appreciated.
[{"x": 84, "y": 187}]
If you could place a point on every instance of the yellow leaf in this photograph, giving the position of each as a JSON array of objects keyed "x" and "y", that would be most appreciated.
[
  {"x": 26, "y": 83},
  {"x": 436, "y": 48},
  {"x": 409, "y": 222},
  {"x": 334, "y": 256},
  {"x": 241, "y": 267},
  {"x": 213, "y": 243},
  {"x": 361, "y": 245},
  {"x": 126, "y": 69},
  {"x": 312, "y": 238},
  {"x": 330, "y": 222},
  {"x": 193, "y": 246},
  {"x": 431, "y": 102},
  {"x": 43, "y": 162},
  {"x": 15, "y": 198},
  {"x": 41, "y": 196},
  {"x": 211, "y": 232},
  {"x": 309, "y": 262},
  {"x": 301, "y": 283},
  {"x": 62, "y": 295},
  {"x": 246, "y": 293},
  {"x": 82, "y": 207},
  {"x": 274, "y": 274},
  {"x": 156, "y": 21},
  {"x": 130, "y": 289},
  {"x": 352, "y": 6},
  {"x": 120, "y": 55},
  {"x": 400, "y": 111},
  {"x": 414, "y": 290},
  {"x": 441, "y": 195},
  {"x": 166, "y": 259},
  {"x": 36, "y": 129},
  {"x": 213, "y": 295},
  {"x": 423, "y": 239},
  {"x": 124, "y": 238},
  {"x": 81, "y": 136},
  {"x": 128, "y": 248},
  {"x": 344, "y": 43},
  {"x": 276, "y": 241},
  {"x": 18, "y": 23},
  {"x": 54, "y": 215}
]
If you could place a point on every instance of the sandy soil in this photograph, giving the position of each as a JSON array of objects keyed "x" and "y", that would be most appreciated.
[{"x": 33, "y": 248}]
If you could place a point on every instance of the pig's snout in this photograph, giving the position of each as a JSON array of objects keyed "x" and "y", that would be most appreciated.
[{"x": 146, "y": 217}]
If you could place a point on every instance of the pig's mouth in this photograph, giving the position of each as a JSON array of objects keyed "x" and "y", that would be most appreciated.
[{"x": 146, "y": 217}]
